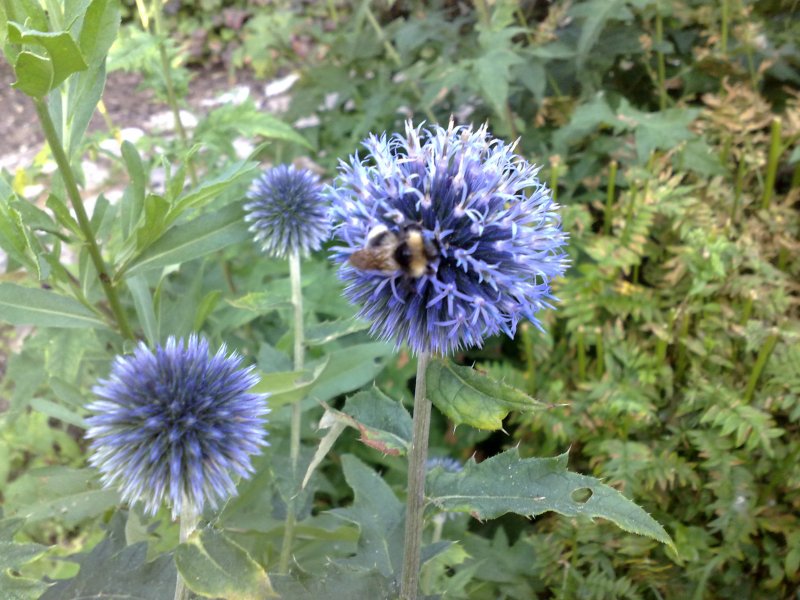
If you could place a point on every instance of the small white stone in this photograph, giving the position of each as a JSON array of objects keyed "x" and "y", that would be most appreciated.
[
  {"x": 32, "y": 191},
  {"x": 304, "y": 122},
  {"x": 164, "y": 121},
  {"x": 236, "y": 96},
  {"x": 243, "y": 147},
  {"x": 280, "y": 86}
]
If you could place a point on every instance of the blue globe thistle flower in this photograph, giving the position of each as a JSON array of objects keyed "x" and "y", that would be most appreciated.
[
  {"x": 174, "y": 423},
  {"x": 288, "y": 211},
  {"x": 447, "y": 237}
]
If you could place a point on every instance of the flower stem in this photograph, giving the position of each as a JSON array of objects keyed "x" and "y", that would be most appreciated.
[
  {"x": 189, "y": 519},
  {"x": 415, "y": 502},
  {"x": 772, "y": 162},
  {"x": 296, "y": 422},
  {"x": 172, "y": 99},
  {"x": 662, "y": 87},
  {"x": 610, "y": 191},
  {"x": 68, "y": 177},
  {"x": 761, "y": 361}
]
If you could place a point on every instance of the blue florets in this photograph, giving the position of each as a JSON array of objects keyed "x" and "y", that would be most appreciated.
[
  {"x": 175, "y": 423},
  {"x": 288, "y": 212},
  {"x": 496, "y": 228}
]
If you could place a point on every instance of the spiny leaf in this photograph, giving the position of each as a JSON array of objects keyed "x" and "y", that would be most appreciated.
[
  {"x": 383, "y": 423},
  {"x": 12, "y": 554},
  {"x": 214, "y": 566},
  {"x": 115, "y": 570},
  {"x": 467, "y": 396},
  {"x": 507, "y": 483},
  {"x": 379, "y": 515}
]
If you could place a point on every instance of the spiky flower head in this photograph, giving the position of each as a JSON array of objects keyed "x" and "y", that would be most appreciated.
[
  {"x": 175, "y": 424},
  {"x": 491, "y": 231},
  {"x": 288, "y": 211}
]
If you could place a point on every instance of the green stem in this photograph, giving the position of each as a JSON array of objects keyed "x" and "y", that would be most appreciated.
[
  {"x": 65, "y": 169},
  {"x": 189, "y": 519},
  {"x": 683, "y": 354},
  {"x": 772, "y": 162},
  {"x": 530, "y": 359},
  {"x": 796, "y": 177},
  {"x": 554, "y": 180},
  {"x": 172, "y": 99},
  {"x": 415, "y": 502},
  {"x": 581, "y": 355},
  {"x": 396, "y": 59},
  {"x": 610, "y": 191},
  {"x": 737, "y": 190},
  {"x": 296, "y": 422},
  {"x": 662, "y": 89},
  {"x": 723, "y": 35},
  {"x": 601, "y": 358},
  {"x": 761, "y": 361}
]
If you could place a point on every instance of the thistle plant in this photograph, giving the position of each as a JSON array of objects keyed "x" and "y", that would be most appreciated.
[
  {"x": 289, "y": 217},
  {"x": 175, "y": 424},
  {"x": 491, "y": 235},
  {"x": 287, "y": 212}
]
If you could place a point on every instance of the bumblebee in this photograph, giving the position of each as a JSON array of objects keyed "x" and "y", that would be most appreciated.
[{"x": 407, "y": 250}]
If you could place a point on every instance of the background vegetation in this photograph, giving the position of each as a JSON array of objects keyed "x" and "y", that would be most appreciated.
[{"x": 668, "y": 131}]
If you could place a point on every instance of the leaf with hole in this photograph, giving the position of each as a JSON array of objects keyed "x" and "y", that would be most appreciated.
[{"x": 507, "y": 483}]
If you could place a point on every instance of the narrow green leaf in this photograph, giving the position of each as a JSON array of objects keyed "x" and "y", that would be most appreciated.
[
  {"x": 30, "y": 306},
  {"x": 143, "y": 302},
  {"x": 351, "y": 368},
  {"x": 246, "y": 120},
  {"x": 34, "y": 74},
  {"x": 290, "y": 386},
  {"x": 469, "y": 397},
  {"x": 211, "y": 188},
  {"x": 335, "y": 429},
  {"x": 264, "y": 301},
  {"x": 197, "y": 238},
  {"x": 506, "y": 483},
  {"x": 58, "y": 411},
  {"x": 64, "y": 54},
  {"x": 214, "y": 566},
  {"x": 14, "y": 238},
  {"x": 88, "y": 89},
  {"x": 100, "y": 26},
  {"x": 154, "y": 223},
  {"x": 63, "y": 214},
  {"x": 323, "y": 333}
]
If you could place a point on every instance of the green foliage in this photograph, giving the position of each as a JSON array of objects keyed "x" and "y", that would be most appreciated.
[
  {"x": 505, "y": 483},
  {"x": 671, "y": 369},
  {"x": 213, "y": 566},
  {"x": 466, "y": 396}
]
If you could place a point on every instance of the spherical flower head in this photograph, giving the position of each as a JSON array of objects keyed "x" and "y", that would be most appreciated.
[
  {"x": 175, "y": 424},
  {"x": 488, "y": 237},
  {"x": 288, "y": 212}
]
